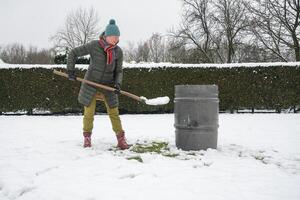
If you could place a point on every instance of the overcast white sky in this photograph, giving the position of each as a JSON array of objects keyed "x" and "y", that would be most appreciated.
[{"x": 32, "y": 22}]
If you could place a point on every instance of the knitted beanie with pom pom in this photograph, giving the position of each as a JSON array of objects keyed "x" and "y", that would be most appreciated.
[{"x": 112, "y": 29}]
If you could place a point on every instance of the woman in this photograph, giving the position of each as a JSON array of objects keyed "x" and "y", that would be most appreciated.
[{"x": 105, "y": 67}]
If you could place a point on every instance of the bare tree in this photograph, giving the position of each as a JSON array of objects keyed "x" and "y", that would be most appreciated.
[
  {"x": 157, "y": 48},
  {"x": 197, "y": 27},
  {"x": 14, "y": 54},
  {"x": 176, "y": 51},
  {"x": 143, "y": 52},
  {"x": 253, "y": 52},
  {"x": 1, "y": 54},
  {"x": 232, "y": 19},
  {"x": 214, "y": 28},
  {"x": 17, "y": 54},
  {"x": 81, "y": 26},
  {"x": 130, "y": 52},
  {"x": 43, "y": 56},
  {"x": 276, "y": 25}
]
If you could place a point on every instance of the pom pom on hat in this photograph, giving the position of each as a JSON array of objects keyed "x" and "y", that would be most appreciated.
[{"x": 112, "y": 21}]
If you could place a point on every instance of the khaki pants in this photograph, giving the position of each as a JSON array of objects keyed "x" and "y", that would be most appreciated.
[{"x": 89, "y": 112}]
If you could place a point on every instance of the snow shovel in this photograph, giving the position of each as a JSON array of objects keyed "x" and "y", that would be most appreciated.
[{"x": 155, "y": 102}]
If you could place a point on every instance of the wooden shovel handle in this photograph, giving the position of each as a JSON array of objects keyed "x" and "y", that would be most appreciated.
[{"x": 98, "y": 85}]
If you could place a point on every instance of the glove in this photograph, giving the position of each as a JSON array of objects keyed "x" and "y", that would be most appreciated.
[
  {"x": 71, "y": 75},
  {"x": 117, "y": 88}
]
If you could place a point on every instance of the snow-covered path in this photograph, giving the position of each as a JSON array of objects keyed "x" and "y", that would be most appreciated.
[{"x": 41, "y": 157}]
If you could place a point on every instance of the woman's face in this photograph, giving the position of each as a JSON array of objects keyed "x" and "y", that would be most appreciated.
[{"x": 112, "y": 40}]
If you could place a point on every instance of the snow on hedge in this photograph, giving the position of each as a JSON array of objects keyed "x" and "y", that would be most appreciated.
[{"x": 157, "y": 65}]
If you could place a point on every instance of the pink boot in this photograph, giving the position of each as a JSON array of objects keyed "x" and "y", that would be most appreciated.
[
  {"x": 122, "y": 144},
  {"x": 87, "y": 139}
]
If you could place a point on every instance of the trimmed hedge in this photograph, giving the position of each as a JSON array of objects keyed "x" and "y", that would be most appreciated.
[{"x": 239, "y": 88}]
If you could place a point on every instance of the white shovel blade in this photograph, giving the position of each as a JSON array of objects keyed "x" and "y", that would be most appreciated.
[{"x": 157, "y": 101}]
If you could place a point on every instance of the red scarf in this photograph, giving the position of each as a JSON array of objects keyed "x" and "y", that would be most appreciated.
[{"x": 109, "y": 50}]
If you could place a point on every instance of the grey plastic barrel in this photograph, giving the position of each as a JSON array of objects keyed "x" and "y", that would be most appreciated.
[{"x": 196, "y": 116}]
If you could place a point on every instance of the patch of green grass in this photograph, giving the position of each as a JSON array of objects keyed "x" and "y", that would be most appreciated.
[
  {"x": 138, "y": 158},
  {"x": 138, "y": 148},
  {"x": 171, "y": 155},
  {"x": 153, "y": 147}
]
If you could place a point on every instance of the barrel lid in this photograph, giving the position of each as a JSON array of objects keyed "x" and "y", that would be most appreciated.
[{"x": 210, "y": 91}]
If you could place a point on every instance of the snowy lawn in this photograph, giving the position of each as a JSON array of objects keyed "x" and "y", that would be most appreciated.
[{"x": 42, "y": 158}]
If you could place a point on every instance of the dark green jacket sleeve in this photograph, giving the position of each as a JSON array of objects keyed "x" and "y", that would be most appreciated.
[
  {"x": 119, "y": 68},
  {"x": 75, "y": 53}
]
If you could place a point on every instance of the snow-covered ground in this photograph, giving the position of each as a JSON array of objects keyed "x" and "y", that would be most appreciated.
[{"x": 42, "y": 158}]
